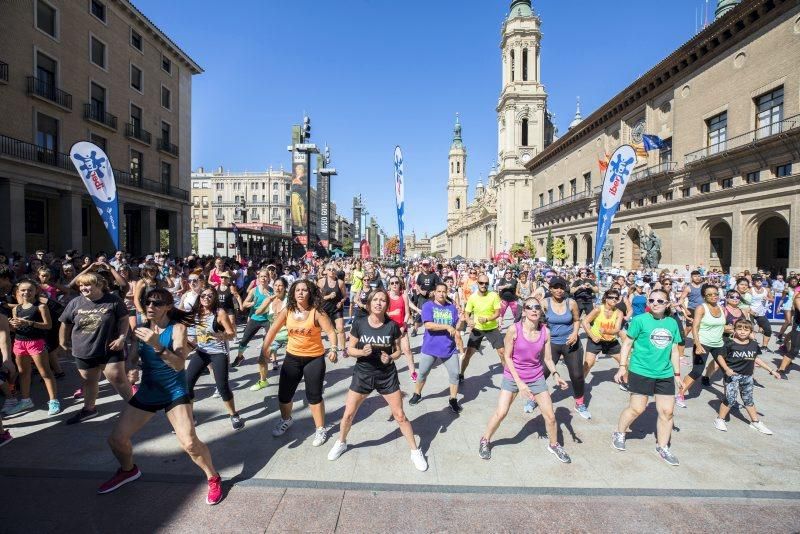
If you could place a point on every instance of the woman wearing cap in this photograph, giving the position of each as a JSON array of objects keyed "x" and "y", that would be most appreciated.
[
  {"x": 602, "y": 327},
  {"x": 528, "y": 355}
]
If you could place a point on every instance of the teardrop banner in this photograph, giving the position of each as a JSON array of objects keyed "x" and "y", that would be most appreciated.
[
  {"x": 399, "y": 193},
  {"x": 615, "y": 179},
  {"x": 95, "y": 171}
]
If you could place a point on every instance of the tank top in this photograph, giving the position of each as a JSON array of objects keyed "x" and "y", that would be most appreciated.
[
  {"x": 305, "y": 337},
  {"x": 759, "y": 303},
  {"x": 160, "y": 382},
  {"x": 226, "y": 299},
  {"x": 695, "y": 298},
  {"x": 28, "y": 333},
  {"x": 601, "y": 322},
  {"x": 711, "y": 328},
  {"x": 638, "y": 303},
  {"x": 397, "y": 310},
  {"x": 560, "y": 324},
  {"x": 525, "y": 289},
  {"x": 330, "y": 306},
  {"x": 50, "y": 291},
  {"x": 527, "y": 356},
  {"x": 258, "y": 300},
  {"x": 214, "y": 278},
  {"x": 283, "y": 333},
  {"x": 206, "y": 342}
]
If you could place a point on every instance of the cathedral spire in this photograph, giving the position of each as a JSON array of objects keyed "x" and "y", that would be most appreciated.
[
  {"x": 457, "y": 141},
  {"x": 577, "y": 120}
]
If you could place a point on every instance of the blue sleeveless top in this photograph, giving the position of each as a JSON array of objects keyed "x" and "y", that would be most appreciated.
[
  {"x": 639, "y": 304},
  {"x": 560, "y": 324},
  {"x": 160, "y": 382}
]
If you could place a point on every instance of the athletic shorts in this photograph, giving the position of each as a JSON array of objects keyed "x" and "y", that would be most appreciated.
[
  {"x": 494, "y": 337},
  {"x": 153, "y": 408},
  {"x": 29, "y": 347},
  {"x": 643, "y": 385},
  {"x": 689, "y": 316},
  {"x": 700, "y": 359},
  {"x": 97, "y": 361},
  {"x": 584, "y": 307},
  {"x": 384, "y": 382},
  {"x": 609, "y": 348},
  {"x": 536, "y": 387}
]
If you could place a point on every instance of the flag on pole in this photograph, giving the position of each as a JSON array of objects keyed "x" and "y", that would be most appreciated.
[
  {"x": 614, "y": 181},
  {"x": 95, "y": 170},
  {"x": 603, "y": 163},
  {"x": 399, "y": 193},
  {"x": 652, "y": 142}
]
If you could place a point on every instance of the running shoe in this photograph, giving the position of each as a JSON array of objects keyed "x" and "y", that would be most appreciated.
[
  {"x": 623, "y": 386},
  {"x": 281, "y": 428},
  {"x": 560, "y": 453},
  {"x": 680, "y": 401},
  {"x": 237, "y": 361},
  {"x": 216, "y": 394},
  {"x": 618, "y": 440},
  {"x": 320, "y": 436},
  {"x": 119, "y": 479},
  {"x": 415, "y": 398},
  {"x": 5, "y": 438},
  {"x": 53, "y": 407},
  {"x": 258, "y": 386},
  {"x": 720, "y": 424},
  {"x": 337, "y": 450},
  {"x": 78, "y": 394},
  {"x": 530, "y": 405},
  {"x": 758, "y": 425},
  {"x": 414, "y": 376},
  {"x": 20, "y": 406},
  {"x": 134, "y": 388},
  {"x": 9, "y": 403},
  {"x": 485, "y": 449},
  {"x": 214, "y": 490},
  {"x": 667, "y": 455},
  {"x": 454, "y": 405},
  {"x": 81, "y": 415},
  {"x": 419, "y": 461},
  {"x": 236, "y": 422},
  {"x": 583, "y": 411},
  {"x": 783, "y": 374},
  {"x": 706, "y": 381}
]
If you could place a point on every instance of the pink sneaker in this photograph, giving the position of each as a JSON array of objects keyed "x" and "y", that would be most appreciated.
[
  {"x": 214, "y": 490},
  {"x": 5, "y": 438},
  {"x": 78, "y": 394},
  {"x": 134, "y": 388},
  {"x": 119, "y": 479},
  {"x": 414, "y": 376}
]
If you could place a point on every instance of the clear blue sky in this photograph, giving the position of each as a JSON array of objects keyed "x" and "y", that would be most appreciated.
[{"x": 373, "y": 74}]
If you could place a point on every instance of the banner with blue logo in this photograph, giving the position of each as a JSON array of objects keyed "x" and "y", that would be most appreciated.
[
  {"x": 95, "y": 170},
  {"x": 399, "y": 192},
  {"x": 615, "y": 179}
]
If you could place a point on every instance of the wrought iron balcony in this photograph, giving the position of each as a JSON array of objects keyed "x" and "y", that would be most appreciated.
[
  {"x": 3, "y": 72},
  {"x": 133, "y": 131},
  {"x": 165, "y": 146},
  {"x": 747, "y": 139},
  {"x": 586, "y": 194},
  {"x": 664, "y": 168},
  {"x": 99, "y": 115},
  {"x": 49, "y": 91}
]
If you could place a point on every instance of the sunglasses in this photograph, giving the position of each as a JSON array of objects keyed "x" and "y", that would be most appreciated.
[
  {"x": 206, "y": 296},
  {"x": 533, "y": 307},
  {"x": 155, "y": 303},
  {"x": 613, "y": 297},
  {"x": 656, "y": 301},
  {"x": 483, "y": 283},
  {"x": 734, "y": 297},
  {"x": 394, "y": 282},
  {"x": 193, "y": 280}
]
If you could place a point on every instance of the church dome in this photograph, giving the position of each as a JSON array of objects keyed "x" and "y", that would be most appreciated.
[
  {"x": 458, "y": 143},
  {"x": 520, "y": 8}
]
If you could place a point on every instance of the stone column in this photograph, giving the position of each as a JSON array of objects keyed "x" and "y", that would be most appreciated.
[
  {"x": 739, "y": 243},
  {"x": 149, "y": 232},
  {"x": 12, "y": 216},
  {"x": 794, "y": 235},
  {"x": 175, "y": 234},
  {"x": 70, "y": 221}
]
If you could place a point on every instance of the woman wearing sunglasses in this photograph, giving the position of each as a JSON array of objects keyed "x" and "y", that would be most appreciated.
[
  {"x": 528, "y": 356},
  {"x": 333, "y": 295},
  {"x": 733, "y": 313},
  {"x": 164, "y": 352},
  {"x": 650, "y": 364},
  {"x": 602, "y": 326},
  {"x": 257, "y": 298},
  {"x": 213, "y": 329},
  {"x": 148, "y": 281},
  {"x": 400, "y": 312},
  {"x": 708, "y": 328}
]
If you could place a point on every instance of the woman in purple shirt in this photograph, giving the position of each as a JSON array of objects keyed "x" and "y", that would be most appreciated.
[
  {"x": 527, "y": 354},
  {"x": 440, "y": 343}
]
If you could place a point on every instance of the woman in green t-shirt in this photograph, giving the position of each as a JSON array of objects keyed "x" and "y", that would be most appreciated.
[{"x": 650, "y": 363}]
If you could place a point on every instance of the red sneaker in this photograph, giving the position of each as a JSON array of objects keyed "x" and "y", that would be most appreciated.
[
  {"x": 214, "y": 490},
  {"x": 134, "y": 388},
  {"x": 119, "y": 479},
  {"x": 78, "y": 394}
]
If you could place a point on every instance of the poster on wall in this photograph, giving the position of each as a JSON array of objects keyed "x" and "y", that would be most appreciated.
[{"x": 299, "y": 191}]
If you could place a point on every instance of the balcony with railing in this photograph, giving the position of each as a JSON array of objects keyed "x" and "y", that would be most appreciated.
[
  {"x": 165, "y": 146},
  {"x": 3, "y": 72},
  {"x": 585, "y": 195},
  {"x": 133, "y": 131},
  {"x": 24, "y": 151},
  {"x": 749, "y": 139},
  {"x": 656, "y": 171},
  {"x": 96, "y": 114},
  {"x": 49, "y": 92}
]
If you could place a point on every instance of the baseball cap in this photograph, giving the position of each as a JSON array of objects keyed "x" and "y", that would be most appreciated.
[{"x": 558, "y": 281}]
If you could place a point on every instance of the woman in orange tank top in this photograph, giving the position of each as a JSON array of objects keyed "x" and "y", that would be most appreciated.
[{"x": 304, "y": 322}]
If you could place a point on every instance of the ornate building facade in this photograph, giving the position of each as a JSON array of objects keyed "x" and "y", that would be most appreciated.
[{"x": 724, "y": 190}]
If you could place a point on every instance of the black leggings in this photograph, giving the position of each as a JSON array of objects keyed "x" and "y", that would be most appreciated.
[
  {"x": 699, "y": 362},
  {"x": 763, "y": 324},
  {"x": 574, "y": 361},
  {"x": 297, "y": 368},
  {"x": 218, "y": 363},
  {"x": 251, "y": 329}
]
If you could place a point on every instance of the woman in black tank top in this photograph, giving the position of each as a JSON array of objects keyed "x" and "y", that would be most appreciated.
[{"x": 333, "y": 292}]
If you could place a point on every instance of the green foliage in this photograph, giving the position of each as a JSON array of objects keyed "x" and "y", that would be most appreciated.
[
  {"x": 549, "y": 247},
  {"x": 559, "y": 250}
]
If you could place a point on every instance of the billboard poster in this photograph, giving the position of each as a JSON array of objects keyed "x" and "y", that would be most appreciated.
[
  {"x": 299, "y": 191},
  {"x": 356, "y": 225}
]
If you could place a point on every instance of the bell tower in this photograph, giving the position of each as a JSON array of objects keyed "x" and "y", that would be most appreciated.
[{"x": 457, "y": 178}]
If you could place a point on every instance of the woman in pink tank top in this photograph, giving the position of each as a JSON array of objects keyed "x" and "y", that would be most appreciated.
[
  {"x": 526, "y": 356},
  {"x": 400, "y": 312}
]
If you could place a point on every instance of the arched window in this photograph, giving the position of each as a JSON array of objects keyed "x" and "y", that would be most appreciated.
[
  {"x": 458, "y": 203},
  {"x": 458, "y": 167},
  {"x": 513, "y": 66},
  {"x": 525, "y": 65},
  {"x": 524, "y": 132}
]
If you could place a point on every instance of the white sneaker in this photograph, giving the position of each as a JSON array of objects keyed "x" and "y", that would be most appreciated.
[
  {"x": 216, "y": 394},
  {"x": 719, "y": 424},
  {"x": 337, "y": 450},
  {"x": 419, "y": 460},
  {"x": 320, "y": 436},
  {"x": 758, "y": 425},
  {"x": 281, "y": 428}
]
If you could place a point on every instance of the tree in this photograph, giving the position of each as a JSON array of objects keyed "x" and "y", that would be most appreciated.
[
  {"x": 518, "y": 250},
  {"x": 559, "y": 250},
  {"x": 530, "y": 248},
  {"x": 393, "y": 245},
  {"x": 347, "y": 246},
  {"x": 549, "y": 247}
]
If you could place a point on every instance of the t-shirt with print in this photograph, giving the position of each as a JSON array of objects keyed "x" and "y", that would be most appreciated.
[
  {"x": 652, "y": 345},
  {"x": 94, "y": 324},
  {"x": 439, "y": 343},
  {"x": 381, "y": 338},
  {"x": 483, "y": 306},
  {"x": 426, "y": 283},
  {"x": 507, "y": 289},
  {"x": 741, "y": 357}
]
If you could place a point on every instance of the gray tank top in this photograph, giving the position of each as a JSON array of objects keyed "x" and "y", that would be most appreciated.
[{"x": 695, "y": 297}]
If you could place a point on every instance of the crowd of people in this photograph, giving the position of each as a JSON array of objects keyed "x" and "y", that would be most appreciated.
[{"x": 153, "y": 325}]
